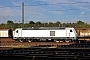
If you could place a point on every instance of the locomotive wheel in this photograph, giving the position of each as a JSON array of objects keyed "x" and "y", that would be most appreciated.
[
  {"x": 29, "y": 41},
  {"x": 57, "y": 41},
  {"x": 20, "y": 40},
  {"x": 67, "y": 41},
  {"x": 60, "y": 41}
]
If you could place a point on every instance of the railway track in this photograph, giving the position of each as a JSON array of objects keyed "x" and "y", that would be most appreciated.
[
  {"x": 73, "y": 51},
  {"x": 34, "y": 50},
  {"x": 32, "y": 44},
  {"x": 8, "y": 42}
]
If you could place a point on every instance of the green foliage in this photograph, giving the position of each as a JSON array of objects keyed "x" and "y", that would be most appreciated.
[
  {"x": 38, "y": 22},
  {"x": 80, "y": 22},
  {"x": 57, "y": 23},
  {"x": 9, "y": 22},
  {"x": 12, "y": 25},
  {"x": 31, "y": 22},
  {"x": 50, "y": 23}
]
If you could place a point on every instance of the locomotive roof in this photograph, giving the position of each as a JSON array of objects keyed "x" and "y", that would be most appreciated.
[{"x": 44, "y": 28}]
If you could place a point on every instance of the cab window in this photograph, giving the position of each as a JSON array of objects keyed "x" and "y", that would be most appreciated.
[
  {"x": 71, "y": 31},
  {"x": 17, "y": 31}
]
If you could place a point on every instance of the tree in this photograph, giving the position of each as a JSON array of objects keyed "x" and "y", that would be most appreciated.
[
  {"x": 15, "y": 25},
  {"x": 50, "y": 23},
  {"x": 9, "y": 22},
  {"x": 45, "y": 24},
  {"x": 38, "y": 23},
  {"x": 31, "y": 22},
  {"x": 80, "y": 22},
  {"x": 2, "y": 25},
  {"x": 57, "y": 23}
]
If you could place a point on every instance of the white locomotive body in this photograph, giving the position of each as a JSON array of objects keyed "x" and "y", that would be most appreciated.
[{"x": 45, "y": 33}]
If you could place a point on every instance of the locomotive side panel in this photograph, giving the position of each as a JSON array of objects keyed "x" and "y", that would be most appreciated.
[
  {"x": 43, "y": 33},
  {"x": 56, "y": 34}
]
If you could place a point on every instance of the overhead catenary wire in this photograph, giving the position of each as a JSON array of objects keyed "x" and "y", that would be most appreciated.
[
  {"x": 59, "y": 3},
  {"x": 49, "y": 4},
  {"x": 9, "y": 6},
  {"x": 69, "y": 9}
]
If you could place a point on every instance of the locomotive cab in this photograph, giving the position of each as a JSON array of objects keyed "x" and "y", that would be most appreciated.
[
  {"x": 71, "y": 34},
  {"x": 17, "y": 33}
]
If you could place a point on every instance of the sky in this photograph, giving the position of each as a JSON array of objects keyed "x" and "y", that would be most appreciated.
[{"x": 65, "y": 11}]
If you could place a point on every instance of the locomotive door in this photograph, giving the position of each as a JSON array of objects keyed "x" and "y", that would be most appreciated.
[
  {"x": 18, "y": 33},
  {"x": 69, "y": 32}
]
